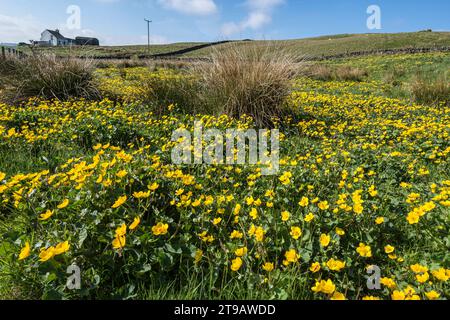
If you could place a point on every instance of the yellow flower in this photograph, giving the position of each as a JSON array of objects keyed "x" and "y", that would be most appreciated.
[
  {"x": 432, "y": 295},
  {"x": 268, "y": 266},
  {"x": 413, "y": 217},
  {"x": 304, "y": 202},
  {"x": 340, "y": 232},
  {"x": 338, "y": 296},
  {"x": 198, "y": 256},
  {"x": 120, "y": 201},
  {"x": 63, "y": 204},
  {"x": 46, "y": 215},
  {"x": 160, "y": 229},
  {"x": 417, "y": 268},
  {"x": 25, "y": 252},
  {"x": 315, "y": 267},
  {"x": 122, "y": 230},
  {"x": 323, "y": 205},
  {"x": 237, "y": 209},
  {"x": 135, "y": 223},
  {"x": 398, "y": 295},
  {"x": 324, "y": 286},
  {"x": 370, "y": 298},
  {"x": 379, "y": 220},
  {"x": 61, "y": 248},
  {"x": 422, "y": 278},
  {"x": 236, "y": 235},
  {"x": 141, "y": 195},
  {"x": 292, "y": 256},
  {"x": 254, "y": 214},
  {"x": 236, "y": 264},
  {"x": 285, "y": 215},
  {"x": 325, "y": 240},
  {"x": 296, "y": 233},
  {"x": 46, "y": 254},
  {"x": 441, "y": 274},
  {"x": 389, "y": 249},
  {"x": 121, "y": 174},
  {"x": 153, "y": 187},
  {"x": 364, "y": 250},
  {"x": 388, "y": 282},
  {"x": 241, "y": 252},
  {"x": 309, "y": 217},
  {"x": 259, "y": 234},
  {"x": 216, "y": 221},
  {"x": 119, "y": 242},
  {"x": 335, "y": 265}
]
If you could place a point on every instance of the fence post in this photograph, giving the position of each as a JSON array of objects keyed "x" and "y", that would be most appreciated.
[{"x": 3, "y": 53}]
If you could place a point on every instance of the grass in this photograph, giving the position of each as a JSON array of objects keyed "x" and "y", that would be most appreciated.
[
  {"x": 350, "y": 138},
  {"x": 118, "y": 52},
  {"x": 248, "y": 80},
  {"x": 47, "y": 77},
  {"x": 310, "y": 47},
  {"x": 332, "y": 45},
  {"x": 434, "y": 91}
]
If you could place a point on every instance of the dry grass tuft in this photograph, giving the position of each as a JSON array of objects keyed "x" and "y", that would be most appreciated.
[
  {"x": 431, "y": 92},
  {"x": 249, "y": 80},
  {"x": 48, "y": 77}
]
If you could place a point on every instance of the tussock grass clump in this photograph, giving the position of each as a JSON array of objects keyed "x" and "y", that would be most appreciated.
[
  {"x": 340, "y": 73},
  {"x": 48, "y": 77},
  {"x": 165, "y": 88},
  {"x": 247, "y": 80},
  {"x": 431, "y": 92}
]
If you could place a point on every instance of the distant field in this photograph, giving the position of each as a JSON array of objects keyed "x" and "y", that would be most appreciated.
[
  {"x": 311, "y": 47},
  {"x": 116, "y": 51},
  {"x": 339, "y": 44}
]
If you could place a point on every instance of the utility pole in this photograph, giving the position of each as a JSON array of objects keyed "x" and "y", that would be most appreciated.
[{"x": 148, "y": 33}]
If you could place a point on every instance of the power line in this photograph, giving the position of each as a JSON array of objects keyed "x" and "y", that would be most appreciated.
[{"x": 148, "y": 34}]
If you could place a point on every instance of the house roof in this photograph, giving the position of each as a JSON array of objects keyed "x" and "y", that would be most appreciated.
[{"x": 56, "y": 34}]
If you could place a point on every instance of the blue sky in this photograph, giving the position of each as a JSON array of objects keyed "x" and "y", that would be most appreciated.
[{"x": 121, "y": 21}]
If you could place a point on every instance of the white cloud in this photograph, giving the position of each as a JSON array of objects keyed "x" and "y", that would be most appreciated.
[
  {"x": 19, "y": 29},
  {"x": 191, "y": 7},
  {"x": 259, "y": 15}
]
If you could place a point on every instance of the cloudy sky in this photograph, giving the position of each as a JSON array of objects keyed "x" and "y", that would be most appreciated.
[{"x": 122, "y": 21}]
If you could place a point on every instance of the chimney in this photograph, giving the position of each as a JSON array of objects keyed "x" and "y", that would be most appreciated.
[{"x": 57, "y": 30}]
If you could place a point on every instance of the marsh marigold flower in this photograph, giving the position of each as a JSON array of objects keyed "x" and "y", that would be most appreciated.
[
  {"x": 296, "y": 233},
  {"x": 325, "y": 240},
  {"x": 25, "y": 252},
  {"x": 160, "y": 229},
  {"x": 432, "y": 295},
  {"x": 46, "y": 215},
  {"x": 315, "y": 267},
  {"x": 46, "y": 254},
  {"x": 364, "y": 250},
  {"x": 285, "y": 215},
  {"x": 62, "y": 247},
  {"x": 135, "y": 223},
  {"x": 324, "y": 286},
  {"x": 304, "y": 202},
  {"x": 241, "y": 252},
  {"x": 63, "y": 204},
  {"x": 236, "y": 264},
  {"x": 291, "y": 256},
  {"x": 120, "y": 201},
  {"x": 268, "y": 266}
]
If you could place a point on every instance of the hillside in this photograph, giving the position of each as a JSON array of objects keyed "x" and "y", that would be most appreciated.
[
  {"x": 312, "y": 47},
  {"x": 341, "y": 44}
]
